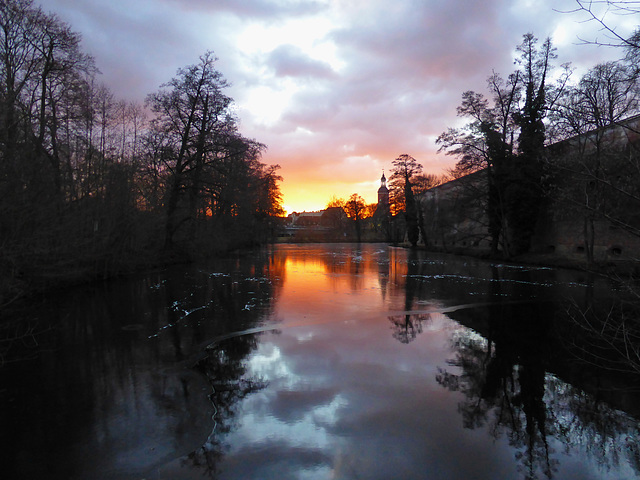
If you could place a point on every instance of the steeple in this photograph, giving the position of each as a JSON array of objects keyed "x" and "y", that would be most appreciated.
[{"x": 383, "y": 191}]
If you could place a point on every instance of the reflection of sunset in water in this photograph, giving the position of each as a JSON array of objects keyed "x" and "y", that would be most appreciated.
[
  {"x": 332, "y": 285},
  {"x": 325, "y": 285}
]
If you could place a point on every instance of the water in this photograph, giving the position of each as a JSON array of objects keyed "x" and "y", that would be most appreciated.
[{"x": 315, "y": 362}]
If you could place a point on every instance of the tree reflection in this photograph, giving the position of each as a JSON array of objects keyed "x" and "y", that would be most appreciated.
[
  {"x": 506, "y": 388},
  {"x": 224, "y": 370},
  {"x": 607, "y": 336},
  {"x": 237, "y": 299},
  {"x": 408, "y": 326},
  {"x": 506, "y": 398},
  {"x": 108, "y": 364}
]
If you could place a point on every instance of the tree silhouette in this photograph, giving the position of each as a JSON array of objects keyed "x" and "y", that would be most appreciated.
[
  {"x": 356, "y": 210},
  {"x": 405, "y": 167}
]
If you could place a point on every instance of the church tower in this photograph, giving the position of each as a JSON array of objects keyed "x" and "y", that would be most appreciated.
[{"x": 383, "y": 192}]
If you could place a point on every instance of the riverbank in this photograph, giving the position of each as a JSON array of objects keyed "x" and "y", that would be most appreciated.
[
  {"x": 19, "y": 286},
  {"x": 610, "y": 267}
]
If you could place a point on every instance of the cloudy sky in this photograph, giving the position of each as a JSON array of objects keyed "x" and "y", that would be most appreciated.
[{"x": 335, "y": 88}]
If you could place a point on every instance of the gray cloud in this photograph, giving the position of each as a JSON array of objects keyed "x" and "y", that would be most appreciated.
[
  {"x": 290, "y": 61},
  {"x": 254, "y": 8}
]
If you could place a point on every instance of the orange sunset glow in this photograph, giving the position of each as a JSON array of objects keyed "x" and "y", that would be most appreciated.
[{"x": 311, "y": 196}]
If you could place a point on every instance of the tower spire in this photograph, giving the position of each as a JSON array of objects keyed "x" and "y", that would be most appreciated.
[{"x": 383, "y": 191}]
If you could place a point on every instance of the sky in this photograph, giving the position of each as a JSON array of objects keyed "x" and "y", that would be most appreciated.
[{"x": 336, "y": 89}]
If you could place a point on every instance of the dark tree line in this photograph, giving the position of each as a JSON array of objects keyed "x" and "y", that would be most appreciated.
[
  {"x": 507, "y": 137},
  {"x": 90, "y": 185}
]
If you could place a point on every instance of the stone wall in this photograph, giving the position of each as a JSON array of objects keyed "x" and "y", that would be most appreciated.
[
  {"x": 453, "y": 215},
  {"x": 592, "y": 180}
]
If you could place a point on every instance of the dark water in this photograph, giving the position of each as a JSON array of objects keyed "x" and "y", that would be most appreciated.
[{"x": 317, "y": 362}]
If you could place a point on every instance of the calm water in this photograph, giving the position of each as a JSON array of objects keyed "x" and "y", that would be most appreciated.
[{"x": 315, "y": 362}]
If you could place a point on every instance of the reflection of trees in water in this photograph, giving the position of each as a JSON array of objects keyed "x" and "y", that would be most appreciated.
[
  {"x": 223, "y": 367},
  {"x": 608, "y": 435},
  {"x": 19, "y": 339},
  {"x": 235, "y": 298},
  {"x": 504, "y": 379},
  {"x": 607, "y": 337},
  {"x": 506, "y": 388},
  {"x": 408, "y": 326},
  {"x": 117, "y": 353},
  {"x": 505, "y": 396}
]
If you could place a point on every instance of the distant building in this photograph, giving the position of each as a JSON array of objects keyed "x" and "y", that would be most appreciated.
[
  {"x": 327, "y": 225},
  {"x": 334, "y": 217},
  {"x": 305, "y": 219}
]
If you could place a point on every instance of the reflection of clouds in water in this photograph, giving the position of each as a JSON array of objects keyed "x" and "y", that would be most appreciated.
[
  {"x": 305, "y": 336},
  {"x": 268, "y": 364},
  {"x": 328, "y": 414},
  {"x": 259, "y": 430},
  {"x": 364, "y": 399},
  {"x": 299, "y": 427},
  {"x": 296, "y": 414}
]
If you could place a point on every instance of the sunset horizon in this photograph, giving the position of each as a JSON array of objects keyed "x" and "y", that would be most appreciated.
[
  {"x": 301, "y": 198},
  {"x": 334, "y": 90}
]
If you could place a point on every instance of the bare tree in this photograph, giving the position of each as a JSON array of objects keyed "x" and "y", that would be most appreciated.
[
  {"x": 20, "y": 58},
  {"x": 506, "y": 139},
  {"x": 486, "y": 143},
  {"x": 601, "y": 12},
  {"x": 426, "y": 181},
  {"x": 86, "y": 181},
  {"x": 404, "y": 167},
  {"x": 190, "y": 109}
]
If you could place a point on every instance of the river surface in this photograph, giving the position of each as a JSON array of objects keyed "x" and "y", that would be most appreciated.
[{"x": 332, "y": 361}]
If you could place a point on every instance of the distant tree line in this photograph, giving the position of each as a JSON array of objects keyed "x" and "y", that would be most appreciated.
[
  {"x": 403, "y": 218},
  {"x": 91, "y": 185},
  {"x": 356, "y": 211}
]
